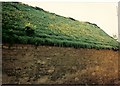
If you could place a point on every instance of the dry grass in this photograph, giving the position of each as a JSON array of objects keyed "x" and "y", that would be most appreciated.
[{"x": 24, "y": 64}]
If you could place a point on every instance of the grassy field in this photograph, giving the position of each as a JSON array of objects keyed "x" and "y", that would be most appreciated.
[
  {"x": 24, "y": 64},
  {"x": 25, "y": 24}
]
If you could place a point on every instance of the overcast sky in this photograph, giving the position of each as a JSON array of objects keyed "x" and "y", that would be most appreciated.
[{"x": 103, "y": 14}]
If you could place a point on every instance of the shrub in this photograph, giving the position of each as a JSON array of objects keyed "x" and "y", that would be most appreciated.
[{"x": 29, "y": 31}]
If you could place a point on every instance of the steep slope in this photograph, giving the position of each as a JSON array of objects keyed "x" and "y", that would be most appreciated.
[{"x": 32, "y": 25}]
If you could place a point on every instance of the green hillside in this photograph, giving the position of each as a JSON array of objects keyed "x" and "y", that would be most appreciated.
[{"x": 25, "y": 24}]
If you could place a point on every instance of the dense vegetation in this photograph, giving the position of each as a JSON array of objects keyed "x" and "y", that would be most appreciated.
[{"x": 25, "y": 24}]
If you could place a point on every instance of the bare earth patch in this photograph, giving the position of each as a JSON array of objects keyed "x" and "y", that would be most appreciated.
[{"x": 25, "y": 64}]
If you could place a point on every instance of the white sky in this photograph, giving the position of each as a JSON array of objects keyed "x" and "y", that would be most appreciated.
[{"x": 104, "y": 14}]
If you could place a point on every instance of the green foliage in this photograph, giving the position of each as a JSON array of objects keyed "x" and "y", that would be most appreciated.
[
  {"x": 29, "y": 31},
  {"x": 32, "y": 25}
]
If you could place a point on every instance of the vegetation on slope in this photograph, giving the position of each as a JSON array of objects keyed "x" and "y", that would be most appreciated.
[{"x": 32, "y": 25}]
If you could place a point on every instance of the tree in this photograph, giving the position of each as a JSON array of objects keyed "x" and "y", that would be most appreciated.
[{"x": 115, "y": 37}]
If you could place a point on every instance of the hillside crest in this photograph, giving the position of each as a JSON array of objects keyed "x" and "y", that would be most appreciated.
[{"x": 24, "y": 24}]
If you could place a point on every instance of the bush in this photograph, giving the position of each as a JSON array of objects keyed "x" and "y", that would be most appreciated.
[{"x": 29, "y": 31}]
